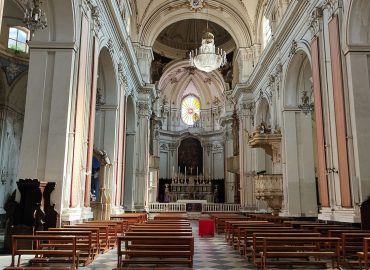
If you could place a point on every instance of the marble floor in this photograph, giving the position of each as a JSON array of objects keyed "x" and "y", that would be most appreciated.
[{"x": 210, "y": 253}]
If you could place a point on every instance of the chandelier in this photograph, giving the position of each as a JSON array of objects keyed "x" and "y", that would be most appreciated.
[
  {"x": 34, "y": 16},
  {"x": 206, "y": 59},
  {"x": 306, "y": 106}
]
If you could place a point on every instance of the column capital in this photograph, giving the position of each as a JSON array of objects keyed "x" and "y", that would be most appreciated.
[
  {"x": 315, "y": 21},
  {"x": 143, "y": 109}
]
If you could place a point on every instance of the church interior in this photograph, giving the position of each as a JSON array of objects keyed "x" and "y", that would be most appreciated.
[{"x": 206, "y": 127}]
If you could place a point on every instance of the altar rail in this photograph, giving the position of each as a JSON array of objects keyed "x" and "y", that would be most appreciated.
[
  {"x": 181, "y": 207},
  {"x": 167, "y": 207}
]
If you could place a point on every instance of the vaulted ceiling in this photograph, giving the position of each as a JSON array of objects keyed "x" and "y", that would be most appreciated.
[{"x": 238, "y": 17}]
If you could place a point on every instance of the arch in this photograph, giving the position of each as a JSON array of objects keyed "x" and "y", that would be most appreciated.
[
  {"x": 263, "y": 112},
  {"x": 358, "y": 21},
  {"x": 177, "y": 76},
  {"x": 62, "y": 26},
  {"x": 129, "y": 154},
  {"x": 162, "y": 17},
  {"x": 106, "y": 67},
  {"x": 300, "y": 63},
  {"x": 190, "y": 155}
]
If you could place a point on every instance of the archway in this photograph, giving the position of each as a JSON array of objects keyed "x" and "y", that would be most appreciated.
[
  {"x": 190, "y": 156},
  {"x": 299, "y": 141},
  {"x": 130, "y": 154},
  {"x": 105, "y": 130},
  {"x": 263, "y": 118}
]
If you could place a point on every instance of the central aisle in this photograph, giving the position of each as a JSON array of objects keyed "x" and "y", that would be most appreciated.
[{"x": 210, "y": 253}]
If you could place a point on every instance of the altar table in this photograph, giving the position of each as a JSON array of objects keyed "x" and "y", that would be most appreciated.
[{"x": 206, "y": 227}]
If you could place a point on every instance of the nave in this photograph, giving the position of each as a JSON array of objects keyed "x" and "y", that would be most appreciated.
[{"x": 210, "y": 252}]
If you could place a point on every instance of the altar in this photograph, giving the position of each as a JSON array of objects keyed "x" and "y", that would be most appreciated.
[
  {"x": 194, "y": 189},
  {"x": 193, "y": 205}
]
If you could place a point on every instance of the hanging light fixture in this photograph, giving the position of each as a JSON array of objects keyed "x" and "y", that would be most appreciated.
[
  {"x": 206, "y": 59},
  {"x": 34, "y": 16}
]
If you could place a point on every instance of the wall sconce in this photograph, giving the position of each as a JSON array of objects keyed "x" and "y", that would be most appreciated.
[
  {"x": 331, "y": 170},
  {"x": 306, "y": 106},
  {"x": 3, "y": 177}
]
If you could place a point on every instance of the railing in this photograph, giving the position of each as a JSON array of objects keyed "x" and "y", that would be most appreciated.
[
  {"x": 181, "y": 207},
  {"x": 167, "y": 207},
  {"x": 220, "y": 207}
]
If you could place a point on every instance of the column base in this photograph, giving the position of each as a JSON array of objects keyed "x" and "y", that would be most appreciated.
[
  {"x": 116, "y": 210},
  {"x": 76, "y": 214},
  {"x": 348, "y": 215}
]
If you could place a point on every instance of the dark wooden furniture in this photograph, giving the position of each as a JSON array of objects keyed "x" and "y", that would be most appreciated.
[
  {"x": 155, "y": 250},
  {"x": 61, "y": 248}
]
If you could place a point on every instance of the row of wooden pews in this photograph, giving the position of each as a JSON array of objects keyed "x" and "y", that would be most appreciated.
[
  {"x": 165, "y": 242},
  {"x": 71, "y": 245},
  {"x": 273, "y": 241}
]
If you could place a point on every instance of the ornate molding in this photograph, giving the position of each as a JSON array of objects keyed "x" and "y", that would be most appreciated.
[
  {"x": 331, "y": 6},
  {"x": 110, "y": 46},
  {"x": 122, "y": 73},
  {"x": 315, "y": 21},
  {"x": 293, "y": 48},
  {"x": 143, "y": 109}
]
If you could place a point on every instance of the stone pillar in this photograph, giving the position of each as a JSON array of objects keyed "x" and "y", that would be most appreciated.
[
  {"x": 229, "y": 177},
  {"x": 46, "y": 127},
  {"x": 246, "y": 114},
  {"x": 143, "y": 109},
  {"x": 120, "y": 147},
  {"x": 244, "y": 58},
  {"x": 144, "y": 57}
]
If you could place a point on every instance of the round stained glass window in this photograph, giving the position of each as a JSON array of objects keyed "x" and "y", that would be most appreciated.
[{"x": 190, "y": 110}]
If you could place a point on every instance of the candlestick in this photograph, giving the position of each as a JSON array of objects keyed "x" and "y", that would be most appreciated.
[
  {"x": 173, "y": 171},
  {"x": 185, "y": 173}
]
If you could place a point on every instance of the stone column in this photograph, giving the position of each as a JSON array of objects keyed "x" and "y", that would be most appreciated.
[
  {"x": 46, "y": 134},
  {"x": 143, "y": 109},
  {"x": 144, "y": 57},
  {"x": 244, "y": 58},
  {"x": 229, "y": 177},
  {"x": 246, "y": 114}
]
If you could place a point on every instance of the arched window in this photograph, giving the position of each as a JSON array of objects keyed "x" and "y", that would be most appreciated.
[
  {"x": 17, "y": 39},
  {"x": 190, "y": 110},
  {"x": 266, "y": 31}
]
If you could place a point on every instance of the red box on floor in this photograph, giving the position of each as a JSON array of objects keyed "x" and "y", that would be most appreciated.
[{"x": 206, "y": 227}]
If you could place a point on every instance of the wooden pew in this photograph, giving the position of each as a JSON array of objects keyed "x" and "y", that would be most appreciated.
[
  {"x": 103, "y": 234},
  {"x": 159, "y": 229},
  {"x": 364, "y": 254},
  {"x": 155, "y": 250},
  {"x": 84, "y": 243},
  {"x": 231, "y": 228},
  {"x": 257, "y": 241},
  {"x": 351, "y": 244},
  {"x": 296, "y": 251},
  {"x": 245, "y": 243},
  {"x": 113, "y": 229},
  {"x": 46, "y": 255},
  {"x": 94, "y": 234},
  {"x": 122, "y": 225},
  {"x": 172, "y": 216}
]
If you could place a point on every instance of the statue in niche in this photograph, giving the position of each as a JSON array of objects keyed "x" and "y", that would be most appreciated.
[{"x": 196, "y": 120}]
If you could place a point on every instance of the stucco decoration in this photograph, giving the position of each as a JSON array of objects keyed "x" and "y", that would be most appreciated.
[{"x": 12, "y": 69}]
